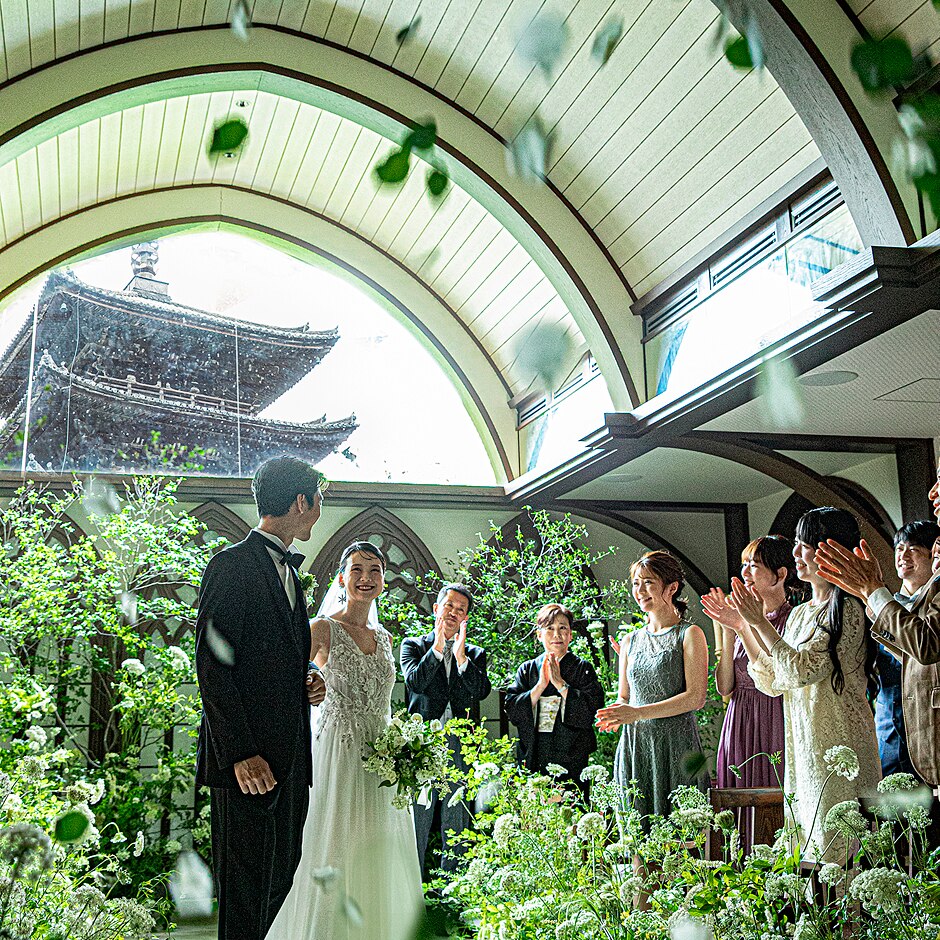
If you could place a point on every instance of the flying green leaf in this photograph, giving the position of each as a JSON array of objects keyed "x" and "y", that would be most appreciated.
[
  {"x": 241, "y": 19},
  {"x": 394, "y": 168},
  {"x": 546, "y": 353},
  {"x": 544, "y": 41},
  {"x": 882, "y": 64},
  {"x": 71, "y": 826},
  {"x": 421, "y": 136},
  {"x": 529, "y": 151},
  {"x": 437, "y": 182},
  {"x": 781, "y": 393},
  {"x": 693, "y": 764},
  {"x": 606, "y": 39},
  {"x": 228, "y": 136},
  {"x": 408, "y": 32},
  {"x": 738, "y": 53}
]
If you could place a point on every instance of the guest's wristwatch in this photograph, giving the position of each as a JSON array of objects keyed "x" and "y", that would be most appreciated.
[{"x": 563, "y": 688}]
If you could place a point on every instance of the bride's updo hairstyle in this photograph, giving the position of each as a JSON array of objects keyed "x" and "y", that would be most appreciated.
[
  {"x": 368, "y": 549},
  {"x": 667, "y": 569}
]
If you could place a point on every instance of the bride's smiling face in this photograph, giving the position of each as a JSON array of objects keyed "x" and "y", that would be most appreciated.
[{"x": 363, "y": 577}]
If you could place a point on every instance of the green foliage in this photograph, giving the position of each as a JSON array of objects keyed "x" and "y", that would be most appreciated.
[
  {"x": 228, "y": 137},
  {"x": 395, "y": 167},
  {"x": 407, "y": 33},
  {"x": 606, "y": 40},
  {"x": 880, "y": 64},
  {"x": 74, "y": 607}
]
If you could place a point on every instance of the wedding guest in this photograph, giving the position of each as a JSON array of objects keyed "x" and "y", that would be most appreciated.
[
  {"x": 820, "y": 667},
  {"x": 913, "y": 635},
  {"x": 753, "y": 725},
  {"x": 912, "y": 562},
  {"x": 554, "y": 699},
  {"x": 663, "y": 683},
  {"x": 445, "y": 677}
]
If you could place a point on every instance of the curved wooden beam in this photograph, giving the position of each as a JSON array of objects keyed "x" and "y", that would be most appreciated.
[
  {"x": 807, "y": 45},
  {"x": 311, "y": 236},
  {"x": 799, "y": 478},
  {"x": 57, "y": 97}
]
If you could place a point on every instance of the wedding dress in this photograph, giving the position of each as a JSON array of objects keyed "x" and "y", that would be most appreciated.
[{"x": 359, "y": 877}]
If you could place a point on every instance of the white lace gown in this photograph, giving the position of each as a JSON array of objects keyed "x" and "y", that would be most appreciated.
[{"x": 351, "y": 825}]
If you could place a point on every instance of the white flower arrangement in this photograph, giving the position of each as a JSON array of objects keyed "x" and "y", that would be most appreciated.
[
  {"x": 878, "y": 889},
  {"x": 842, "y": 760},
  {"x": 846, "y": 819},
  {"x": 410, "y": 754}
]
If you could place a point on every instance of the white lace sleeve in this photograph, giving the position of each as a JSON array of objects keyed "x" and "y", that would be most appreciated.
[
  {"x": 762, "y": 672},
  {"x": 809, "y": 662}
]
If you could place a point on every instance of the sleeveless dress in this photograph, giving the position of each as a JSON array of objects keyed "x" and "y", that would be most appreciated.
[
  {"x": 753, "y": 724},
  {"x": 359, "y": 877},
  {"x": 653, "y": 752}
]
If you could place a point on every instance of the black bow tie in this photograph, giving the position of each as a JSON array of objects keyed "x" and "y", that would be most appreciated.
[{"x": 287, "y": 557}]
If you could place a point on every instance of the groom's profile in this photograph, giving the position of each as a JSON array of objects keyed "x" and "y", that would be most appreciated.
[{"x": 252, "y": 650}]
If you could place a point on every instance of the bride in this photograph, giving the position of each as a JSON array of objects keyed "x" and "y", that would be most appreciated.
[{"x": 359, "y": 876}]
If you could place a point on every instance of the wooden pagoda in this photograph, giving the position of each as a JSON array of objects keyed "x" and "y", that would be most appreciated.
[{"x": 119, "y": 380}]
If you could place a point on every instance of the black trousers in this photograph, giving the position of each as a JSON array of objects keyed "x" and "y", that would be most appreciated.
[{"x": 256, "y": 846}]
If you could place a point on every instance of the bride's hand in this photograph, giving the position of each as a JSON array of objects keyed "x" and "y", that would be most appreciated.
[{"x": 316, "y": 688}]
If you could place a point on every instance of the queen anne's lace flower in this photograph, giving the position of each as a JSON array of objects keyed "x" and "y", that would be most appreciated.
[
  {"x": 504, "y": 829},
  {"x": 591, "y": 826},
  {"x": 917, "y": 817},
  {"x": 894, "y": 783},
  {"x": 178, "y": 658},
  {"x": 595, "y": 773},
  {"x": 831, "y": 874},
  {"x": 879, "y": 889},
  {"x": 842, "y": 760},
  {"x": 134, "y": 667},
  {"x": 555, "y": 770},
  {"x": 763, "y": 853},
  {"x": 37, "y": 737},
  {"x": 783, "y": 886},
  {"x": 846, "y": 819}
]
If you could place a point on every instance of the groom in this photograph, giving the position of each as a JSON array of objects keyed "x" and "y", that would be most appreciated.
[{"x": 252, "y": 649}]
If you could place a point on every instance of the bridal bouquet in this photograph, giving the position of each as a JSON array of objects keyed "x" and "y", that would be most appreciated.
[{"x": 412, "y": 754}]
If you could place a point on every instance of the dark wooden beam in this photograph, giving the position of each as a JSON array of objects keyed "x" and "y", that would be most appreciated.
[
  {"x": 649, "y": 505},
  {"x": 822, "y": 443},
  {"x": 917, "y": 473},
  {"x": 737, "y": 536}
]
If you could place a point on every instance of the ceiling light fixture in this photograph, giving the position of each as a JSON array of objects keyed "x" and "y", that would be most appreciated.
[{"x": 825, "y": 379}]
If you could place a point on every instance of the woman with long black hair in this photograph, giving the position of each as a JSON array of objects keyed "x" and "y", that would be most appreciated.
[{"x": 820, "y": 666}]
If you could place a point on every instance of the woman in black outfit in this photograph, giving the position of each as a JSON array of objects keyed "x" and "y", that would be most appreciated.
[{"x": 554, "y": 699}]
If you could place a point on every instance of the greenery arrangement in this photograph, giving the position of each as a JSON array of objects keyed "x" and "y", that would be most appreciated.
[
  {"x": 92, "y": 667},
  {"x": 544, "y": 865}
]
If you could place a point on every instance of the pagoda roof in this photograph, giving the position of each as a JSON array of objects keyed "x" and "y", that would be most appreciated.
[{"x": 159, "y": 341}]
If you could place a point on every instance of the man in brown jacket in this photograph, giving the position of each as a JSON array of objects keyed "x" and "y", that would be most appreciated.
[{"x": 913, "y": 635}]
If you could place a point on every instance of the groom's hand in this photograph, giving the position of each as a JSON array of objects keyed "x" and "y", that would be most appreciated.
[
  {"x": 254, "y": 776},
  {"x": 316, "y": 688}
]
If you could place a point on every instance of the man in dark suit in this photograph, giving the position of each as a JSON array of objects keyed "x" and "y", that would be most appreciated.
[
  {"x": 252, "y": 651},
  {"x": 445, "y": 677}
]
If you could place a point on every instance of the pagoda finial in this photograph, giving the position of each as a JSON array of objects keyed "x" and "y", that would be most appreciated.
[{"x": 144, "y": 259}]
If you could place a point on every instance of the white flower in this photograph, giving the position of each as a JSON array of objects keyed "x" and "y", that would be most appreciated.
[
  {"x": 33, "y": 767},
  {"x": 178, "y": 657},
  {"x": 783, "y": 885},
  {"x": 879, "y": 889},
  {"x": 831, "y": 874},
  {"x": 134, "y": 666},
  {"x": 595, "y": 773},
  {"x": 505, "y": 827},
  {"x": 591, "y": 826},
  {"x": 456, "y": 796},
  {"x": 173, "y": 846},
  {"x": 118, "y": 838},
  {"x": 97, "y": 792},
  {"x": 555, "y": 770},
  {"x": 842, "y": 760},
  {"x": 487, "y": 770},
  {"x": 918, "y": 817},
  {"x": 846, "y": 819},
  {"x": 139, "y": 845},
  {"x": 895, "y": 782},
  {"x": 37, "y": 737},
  {"x": 61, "y": 755},
  {"x": 806, "y": 929}
]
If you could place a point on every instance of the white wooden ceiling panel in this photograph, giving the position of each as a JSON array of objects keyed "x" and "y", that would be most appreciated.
[
  {"x": 265, "y": 11},
  {"x": 91, "y": 23},
  {"x": 526, "y": 310},
  {"x": 68, "y": 171},
  {"x": 196, "y": 128},
  {"x": 291, "y": 16},
  {"x": 465, "y": 255},
  {"x": 220, "y": 11},
  {"x": 295, "y": 151},
  {"x": 260, "y": 115},
  {"x": 88, "y": 162},
  {"x": 129, "y": 149},
  {"x": 318, "y": 16},
  {"x": 327, "y": 126},
  {"x": 491, "y": 291},
  {"x": 16, "y": 37},
  {"x": 108, "y": 155},
  {"x": 444, "y": 42},
  {"x": 342, "y": 21},
  {"x": 173, "y": 119},
  {"x": 392, "y": 17},
  {"x": 141, "y": 17},
  {"x": 484, "y": 19},
  {"x": 10, "y": 222},
  {"x": 47, "y": 169},
  {"x": 192, "y": 13},
  {"x": 720, "y": 214},
  {"x": 378, "y": 208},
  {"x": 166, "y": 15},
  {"x": 415, "y": 242},
  {"x": 410, "y": 54},
  {"x": 280, "y": 144},
  {"x": 28, "y": 175},
  {"x": 41, "y": 32},
  {"x": 411, "y": 201},
  {"x": 117, "y": 19},
  {"x": 345, "y": 140},
  {"x": 354, "y": 176},
  {"x": 66, "y": 27},
  {"x": 151, "y": 133},
  {"x": 681, "y": 193},
  {"x": 509, "y": 337},
  {"x": 496, "y": 255}
]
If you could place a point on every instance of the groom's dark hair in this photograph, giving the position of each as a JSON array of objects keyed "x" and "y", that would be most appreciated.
[{"x": 280, "y": 480}]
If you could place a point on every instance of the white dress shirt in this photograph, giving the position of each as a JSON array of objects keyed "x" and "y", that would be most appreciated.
[{"x": 283, "y": 569}]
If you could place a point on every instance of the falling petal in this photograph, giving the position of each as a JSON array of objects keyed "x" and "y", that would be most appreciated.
[
  {"x": 606, "y": 40},
  {"x": 191, "y": 886},
  {"x": 352, "y": 911},
  {"x": 241, "y": 19},
  {"x": 129, "y": 607},
  {"x": 100, "y": 498},
  {"x": 529, "y": 150},
  {"x": 220, "y": 647},
  {"x": 544, "y": 41},
  {"x": 546, "y": 353},
  {"x": 778, "y": 385},
  {"x": 408, "y": 32}
]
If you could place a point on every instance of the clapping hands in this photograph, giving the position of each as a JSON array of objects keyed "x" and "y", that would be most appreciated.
[
  {"x": 718, "y": 606},
  {"x": 746, "y": 601}
]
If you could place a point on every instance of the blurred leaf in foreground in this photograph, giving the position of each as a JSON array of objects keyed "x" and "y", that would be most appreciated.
[
  {"x": 606, "y": 40},
  {"x": 544, "y": 41},
  {"x": 394, "y": 168},
  {"x": 71, "y": 826},
  {"x": 228, "y": 137},
  {"x": 779, "y": 387},
  {"x": 241, "y": 19},
  {"x": 882, "y": 64},
  {"x": 546, "y": 353},
  {"x": 407, "y": 33},
  {"x": 529, "y": 151},
  {"x": 437, "y": 183}
]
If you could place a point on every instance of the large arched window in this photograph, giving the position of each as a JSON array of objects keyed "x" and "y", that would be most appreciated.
[{"x": 211, "y": 352}]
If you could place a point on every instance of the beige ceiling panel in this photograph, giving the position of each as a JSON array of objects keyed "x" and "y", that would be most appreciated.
[
  {"x": 451, "y": 242},
  {"x": 411, "y": 206},
  {"x": 47, "y": 169},
  {"x": 141, "y": 17},
  {"x": 327, "y": 126},
  {"x": 494, "y": 267},
  {"x": 355, "y": 177},
  {"x": 342, "y": 20},
  {"x": 449, "y": 35},
  {"x": 129, "y": 150},
  {"x": 518, "y": 320},
  {"x": 27, "y": 172},
  {"x": 692, "y": 172},
  {"x": 407, "y": 56},
  {"x": 295, "y": 150},
  {"x": 116, "y": 19},
  {"x": 88, "y": 162},
  {"x": 487, "y": 16},
  {"x": 66, "y": 27},
  {"x": 525, "y": 308},
  {"x": 678, "y": 256},
  {"x": 365, "y": 195},
  {"x": 150, "y": 137},
  {"x": 15, "y": 25},
  {"x": 282, "y": 142},
  {"x": 414, "y": 247},
  {"x": 260, "y": 116},
  {"x": 506, "y": 286},
  {"x": 41, "y": 32},
  {"x": 108, "y": 156},
  {"x": 11, "y": 212},
  {"x": 173, "y": 119},
  {"x": 345, "y": 140},
  {"x": 193, "y": 162},
  {"x": 217, "y": 11},
  {"x": 482, "y": 252},
  {"x": 291, "y": 16},
  {"x": 420, "y": 211},
  {"x": 166, "y": 14},
  {"x": 68, "y": 173}
]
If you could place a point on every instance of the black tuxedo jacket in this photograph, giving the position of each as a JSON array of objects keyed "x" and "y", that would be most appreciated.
[
  {"x": 252, "y": 653},
  {"x": 427, "y": 688},
  {"x": 574, "y": 736}
]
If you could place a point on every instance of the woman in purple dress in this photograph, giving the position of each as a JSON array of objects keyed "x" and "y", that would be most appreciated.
[{"x": 753, "y": 723}]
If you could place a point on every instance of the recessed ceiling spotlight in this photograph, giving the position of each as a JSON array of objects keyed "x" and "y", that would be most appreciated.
[
  {"x": 241, "y": 103},
  {"x": 825, "y": 379}
]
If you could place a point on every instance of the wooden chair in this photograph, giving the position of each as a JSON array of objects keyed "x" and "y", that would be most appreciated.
[{"x": 764, "y": 805}]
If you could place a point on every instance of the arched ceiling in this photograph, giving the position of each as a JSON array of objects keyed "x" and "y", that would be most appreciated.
[{"x": 653, "y": 156}]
